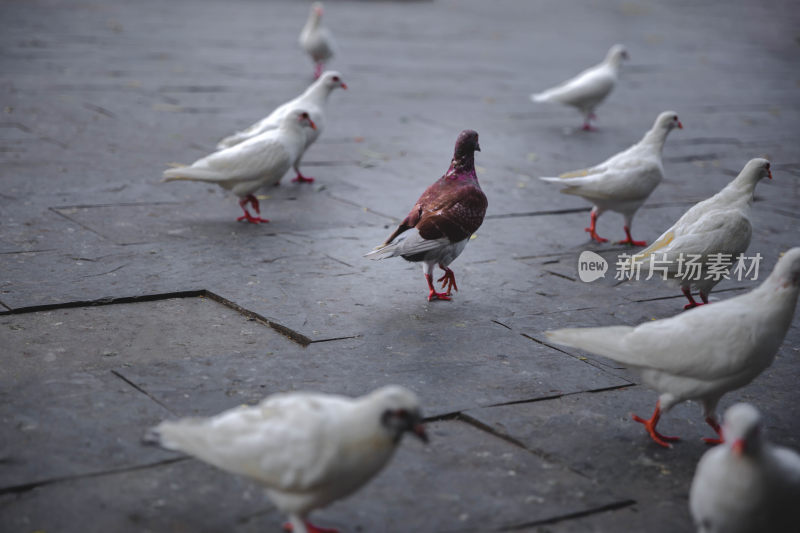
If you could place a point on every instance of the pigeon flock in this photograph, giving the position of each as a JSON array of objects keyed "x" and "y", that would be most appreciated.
[{"x": 310, "y": 449}]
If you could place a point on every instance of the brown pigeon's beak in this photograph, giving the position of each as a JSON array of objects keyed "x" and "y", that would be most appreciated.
[
  {"x": 344, "y": 86},
  {"x": 477, "y": 147},
  {"x": 419, "y": 431}
]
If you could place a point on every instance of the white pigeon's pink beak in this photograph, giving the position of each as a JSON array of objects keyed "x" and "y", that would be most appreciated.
[
  {"x": 680, "y": 126},
  {"x": 311, "y": 123},
  {"x": 318, "y": 11},
  {"x": 343, "y": 85},
  {"x": 738, "y": 447},
  {"x": 769, "y": 172}
]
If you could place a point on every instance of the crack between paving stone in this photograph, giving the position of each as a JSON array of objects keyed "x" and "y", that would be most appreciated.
[
  {"x": 559, "y": 275},
  {"x": 30, "y": 251},
  {"x": 25, "y": 487},
  {"x": 366, "y": 209},
  {"x": 84, "y": 226},
  {"x": 4, "y": 305},
  {"x": 317, "y": 341},
  {"x": 580, "y": 514},
  {"x": 296, "y": 336},
  {"x": 140, "y": 389},
  {"x": 571, "y": 210},
  {"x": 732, "y": 289}
]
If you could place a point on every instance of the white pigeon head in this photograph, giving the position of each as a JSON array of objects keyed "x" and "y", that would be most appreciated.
[
  {"x": 756, "y": 169},
  {"x": 316, "y": 10},
  {"x": 787, "y": 270},
  {"x": 742, "y": 429},
  {"x": 298, "y": 117},
  {"x": 616, "y": 54},
  {"x": 399, "y": 410},
  {"x": 668, "y": 120},
  {"x": 332, "y": 80}
]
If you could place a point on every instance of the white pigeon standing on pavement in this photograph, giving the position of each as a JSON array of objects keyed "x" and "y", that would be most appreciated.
[
  {"x": 718, "y": 225},
  {"x": 316, "y": 39},
  {"x": 705, "y": 352},
  {"x": 746, "y": 485},
  {"x": 623, "y": 182},
  {"x": 306, "y": 449},
  {"x": 589, "y": 88},
  {"x": 314, "y": 100},
  {"x": 250, "y": 165}
]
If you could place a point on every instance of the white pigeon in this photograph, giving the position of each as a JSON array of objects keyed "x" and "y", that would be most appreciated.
[
  {"x": 623, "y": 182},
  {"x": 589, "y": 88},
  {"x": 746, "y": 485},
  {"x": 306, "y": 449},
  {"x": 718, "y": 225},
  {"x": 314, "y": 100},
  {"x": 248, "y": 166},
  {"x": 316, "y": 39},
  {"x": 705, "y": 352}
]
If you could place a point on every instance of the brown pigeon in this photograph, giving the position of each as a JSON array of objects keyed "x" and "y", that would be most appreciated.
[{"x": 443, "y": 219}]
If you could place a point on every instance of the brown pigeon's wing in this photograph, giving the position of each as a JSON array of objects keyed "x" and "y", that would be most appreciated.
[{"x": 456, "y": 216}]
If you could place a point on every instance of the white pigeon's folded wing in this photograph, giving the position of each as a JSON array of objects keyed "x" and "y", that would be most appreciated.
[{"x": 284, "y": 442}]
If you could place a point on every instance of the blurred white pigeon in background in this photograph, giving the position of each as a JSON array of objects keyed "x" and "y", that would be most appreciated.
[
  {"x": 307, "y": 449},
  {"x": 623, "y": 182},
  {"x": 589, "y": 88},
  {"x": 746, "y": 485},
  {"x": 252, "y": 164},
  {"x": 316, "y": 39},
  {"x": 705, "y": 352},
  {"x": 718, "y": 225},
  {"x": 314, "y": 100}
]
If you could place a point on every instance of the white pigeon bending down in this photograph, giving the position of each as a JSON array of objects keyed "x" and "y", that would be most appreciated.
[
  {"x": 306, "y": 449},
  {"x": 705, "y": 352},
  {"x": 316, "y": 39},
  {"x": 623, "y": 182},
  {"x": 589, "y": 88},
  {"x": 314, "y": 100},
  {"x": 718, "y": 225},
  {"x": 444, "y": 218},
  {"x": 248, "y": 166},
  {"x": 746, "y": 485}
]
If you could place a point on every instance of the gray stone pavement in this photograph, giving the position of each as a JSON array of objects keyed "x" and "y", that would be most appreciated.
[{"x": 126, "y": 301}]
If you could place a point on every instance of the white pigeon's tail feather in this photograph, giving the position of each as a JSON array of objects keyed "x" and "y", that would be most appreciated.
[
  {"x": 181, "y": 436},
  {"x": 541, "y": 97},
  {"x": 554, "y": 180},
  {"x": 191, "y": 174},
  {"x": 607, "y": 341}
]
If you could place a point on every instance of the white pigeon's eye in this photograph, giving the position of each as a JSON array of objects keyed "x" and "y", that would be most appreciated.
[
  {"x": 767, "y": 166},
  {"x": 675, "y": 117},
  {"x": 304, "y": 115},
  {"x": 336, "y": 78}
]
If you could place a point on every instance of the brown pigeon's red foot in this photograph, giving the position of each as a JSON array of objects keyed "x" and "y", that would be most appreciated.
[
  {"x": 448, "y": 280},
  {"x": 592, "y": 226},
  {"x": 247, "y": 216},
  {"x": 650, "y": 425},
  {"x": 302, "y": 179},
  {"x": 433, "y": 295},
  {"x": 692, "y": 303},
  {"x": 311, "y": 528},
  {"x": 715, "y": 426},
  {"x": 629, "y": 239}
]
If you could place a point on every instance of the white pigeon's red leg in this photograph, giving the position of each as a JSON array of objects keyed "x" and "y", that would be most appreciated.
[
  {"x": 650, "y": 426},
  {"x": 302, "y": 179},
  {"x": 587, "y": 126},
  {"x": 433, "y": 295},
  {"x": 311, "y": 528},
  {"x": 448, "y": 280},
  {"x": 593, "y": 226},
  {"x": 318, "y": 69},
  {"x": 715, "y": 426},
  {"x": 247, "y": 216},
  {"x": 688, "y": 293},
  {"x": 629, "y": 239}
]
